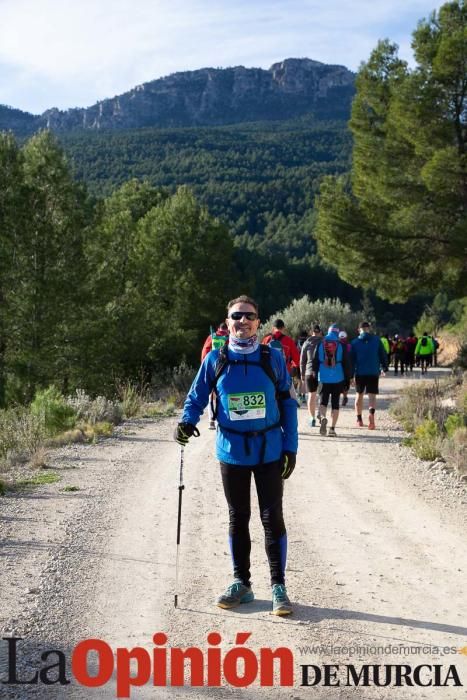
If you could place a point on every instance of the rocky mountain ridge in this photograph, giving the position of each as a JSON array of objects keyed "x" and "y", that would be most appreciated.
[{"x": 208, "y": 97}]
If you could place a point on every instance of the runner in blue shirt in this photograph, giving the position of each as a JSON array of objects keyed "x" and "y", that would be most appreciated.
[{"x": 256, "y": 435}]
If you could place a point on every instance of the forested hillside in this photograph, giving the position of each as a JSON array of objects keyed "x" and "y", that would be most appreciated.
[{"x": 246, "y": 174}]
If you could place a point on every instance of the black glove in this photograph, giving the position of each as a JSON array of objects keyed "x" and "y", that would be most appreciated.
[
  {"x": 183, "y": 433},
  {"x": 288, "y": 461}
]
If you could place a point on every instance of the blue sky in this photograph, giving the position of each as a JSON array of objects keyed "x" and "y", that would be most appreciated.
[{"x": 69, "y": 53}]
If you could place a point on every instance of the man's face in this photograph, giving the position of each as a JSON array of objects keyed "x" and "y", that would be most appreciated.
[{"x": 242, "y": 327}]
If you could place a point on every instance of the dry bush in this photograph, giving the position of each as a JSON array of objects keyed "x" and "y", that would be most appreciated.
[
  {"x": 455, "y": 450},
  {"x": 39, "y": 458}
]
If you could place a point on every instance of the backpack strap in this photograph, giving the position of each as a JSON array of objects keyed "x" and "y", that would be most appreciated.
[{"x": 265, "y": 362}]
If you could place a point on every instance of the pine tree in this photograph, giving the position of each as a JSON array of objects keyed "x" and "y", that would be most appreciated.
[
  {"x": 11, "y": 211},
  {"x": 398, "y": 224},
  {"x": 47, "y": 270}
]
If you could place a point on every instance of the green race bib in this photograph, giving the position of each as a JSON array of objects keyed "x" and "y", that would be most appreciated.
[{"x": 251, "y": 406}]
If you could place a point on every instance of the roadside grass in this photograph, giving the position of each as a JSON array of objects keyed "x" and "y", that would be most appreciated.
[
  {"x": 70, "y": 489},
  {"x": 38, "y": 480},
  {"x": 435, "y": 415},
  {"x": 159, "y": 409},
  {"x": 132, "y": 397},
  {"x": 52, "y": 420}
]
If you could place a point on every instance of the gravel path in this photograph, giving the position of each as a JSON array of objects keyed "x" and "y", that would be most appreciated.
[{"x": 377, "y": 558}]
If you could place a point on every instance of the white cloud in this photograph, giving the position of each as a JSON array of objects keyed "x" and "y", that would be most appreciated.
[{"x": 68, "y": 52}]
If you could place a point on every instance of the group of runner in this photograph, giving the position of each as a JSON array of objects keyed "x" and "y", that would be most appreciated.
[
  {"x": 330, "y": 364},
  {"x": 407, "y": 353}
]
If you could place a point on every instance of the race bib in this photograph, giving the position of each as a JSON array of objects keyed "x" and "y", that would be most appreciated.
[{"x": 251, "y": 406}]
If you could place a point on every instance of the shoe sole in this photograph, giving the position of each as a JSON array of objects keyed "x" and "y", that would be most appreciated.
[
  {"x": 332, "y": 434},
  {"x": 281, "y": 612},
  {"x": 322, "y": 427},
  {"x": 228, "y": 606}
]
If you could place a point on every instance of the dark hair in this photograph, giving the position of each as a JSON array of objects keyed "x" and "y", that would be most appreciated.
[
  {"x": 278, "y": 323},
  {"x": 365, "y": 324},
  {"x": 316, "y": 328},
  {"x": 243, "y": 299},
  {"x": 223, "y": 326}
]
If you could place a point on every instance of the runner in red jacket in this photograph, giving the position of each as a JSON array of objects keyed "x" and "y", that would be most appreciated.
[
  {"x": 214, "y": 341},
  {"x": 290, "y": 350}
]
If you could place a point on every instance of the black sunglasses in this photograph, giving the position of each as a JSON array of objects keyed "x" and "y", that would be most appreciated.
[{"x": 238, "y": 315}]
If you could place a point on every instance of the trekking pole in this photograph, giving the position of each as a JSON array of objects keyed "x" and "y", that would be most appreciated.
[{"x": 179, "y": 522}]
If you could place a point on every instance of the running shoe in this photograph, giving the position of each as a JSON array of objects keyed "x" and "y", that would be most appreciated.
[
  {"x": 281, "y": 604},
  {"x": 345, "y": 400},
  {"x": 332, "y": 432},
  {"x": 234, "y": 595},
  {"x": 322, "y": 427},
  {"x": 371, "y": 422},
  {"x": 360, "y": 422},
  {"x": 312, "y": 422},
  {"x": 212, "y": 425}
]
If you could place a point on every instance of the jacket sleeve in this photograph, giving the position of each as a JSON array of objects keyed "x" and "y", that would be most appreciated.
[
  {"x": 315, "y": 359},
  {"x": 289, "y": 421},
  {"x": 353, "y": 358},
  {"x": 200, "y": 391},
  {"x": 304, "y": 358},
  {"x": 418, "y": 346},
  {"x": 294, "y": 354}
]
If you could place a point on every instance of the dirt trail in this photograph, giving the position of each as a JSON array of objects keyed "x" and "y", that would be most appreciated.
[{"x": 377, "y": 558}]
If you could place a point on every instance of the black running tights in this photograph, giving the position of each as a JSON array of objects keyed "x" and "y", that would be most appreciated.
[{"x": 269, "y": 487}]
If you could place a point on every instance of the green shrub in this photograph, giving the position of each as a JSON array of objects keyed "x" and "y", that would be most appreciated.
[
  {"x": 51, "y": 407},
  {"x": 2, "y": 488},
  {"x": 103, "y": 428},
  {"x": 304, "y": 313},
  {"x": 426, "y": 440},
  {"x": 453, "y": 422},
  {"x": 95, "y": 410}
]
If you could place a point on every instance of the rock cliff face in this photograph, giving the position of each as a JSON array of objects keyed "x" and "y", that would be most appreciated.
[{"x": 219, "y": 96}]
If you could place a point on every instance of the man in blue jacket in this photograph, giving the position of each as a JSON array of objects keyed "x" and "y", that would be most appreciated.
[
  {"x": 368, "y": 358},
  {"x": 256, "y": 435}
]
